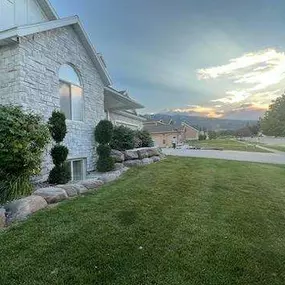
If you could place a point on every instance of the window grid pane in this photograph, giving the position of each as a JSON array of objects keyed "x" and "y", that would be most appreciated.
[{"x": 65, "y": 99}]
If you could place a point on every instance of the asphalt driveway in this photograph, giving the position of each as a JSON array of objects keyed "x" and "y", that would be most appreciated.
[{"x": 275, "y": 158}]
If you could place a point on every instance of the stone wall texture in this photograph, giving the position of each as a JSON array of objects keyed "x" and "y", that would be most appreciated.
[{"x": 29, "y": 78}]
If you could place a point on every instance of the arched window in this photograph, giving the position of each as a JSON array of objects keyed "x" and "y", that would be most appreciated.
[{"x": 71, "y": 93}]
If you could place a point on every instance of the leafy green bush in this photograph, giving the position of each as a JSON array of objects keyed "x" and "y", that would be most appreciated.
[
  {"x": 104, "y": 132},
  {"x": 144, "y": 137},
  {"x": 123, "y": 138},
  {"x": 23, "y": 137},
  {"x": 103, "y": 135},
  {"x": 60, "y": 174}
]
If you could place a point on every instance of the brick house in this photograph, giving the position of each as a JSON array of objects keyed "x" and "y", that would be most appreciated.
[
  {"x": 48, "y": 63},
  {"x": 164, "y": 133}
]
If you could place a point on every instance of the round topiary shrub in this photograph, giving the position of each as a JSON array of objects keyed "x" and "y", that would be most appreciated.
[
  {"x": 104, "y": 132},
  {"x": 105, "y": 164},
  {"x": 59, "y": 154},
  {"x": 23, "y": 137},
  {"x": 104, "y": 150},
  {"x": 103, "y": 135},
  {"x": 60, "y": 174},
  {"x": 57, "y": 126}
]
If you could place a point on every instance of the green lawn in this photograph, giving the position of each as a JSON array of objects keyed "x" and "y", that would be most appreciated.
[
  {"x": 182, "y": 221},
  {"x": 227, "y": 144},
  {"x": 275, "y": 147}
]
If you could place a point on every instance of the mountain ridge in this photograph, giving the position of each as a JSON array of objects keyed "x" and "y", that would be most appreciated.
[{"x": 211, "y": 124}]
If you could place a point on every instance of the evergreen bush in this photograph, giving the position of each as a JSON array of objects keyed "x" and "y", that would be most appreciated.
[
  {"x": 145, "y": 138},
  {"x": 123, "y": 138},
  {"x": 103, "y": 135},
  {"x": 60, "y": 174}
]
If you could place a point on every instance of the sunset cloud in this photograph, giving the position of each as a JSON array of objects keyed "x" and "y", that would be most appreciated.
[{"x": 256, "y": 78}]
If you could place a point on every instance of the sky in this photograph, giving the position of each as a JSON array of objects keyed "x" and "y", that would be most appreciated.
[{"x": 219, "y": 59}]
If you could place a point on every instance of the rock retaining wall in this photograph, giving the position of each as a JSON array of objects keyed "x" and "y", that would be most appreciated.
[{"x": 19, "y": 210}]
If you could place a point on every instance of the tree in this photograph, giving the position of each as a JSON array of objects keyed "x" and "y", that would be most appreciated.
[
  {"x": 60, "y": 174},
  {"x": 212, "y": 135},
  {"x": 273, "y": 122}
]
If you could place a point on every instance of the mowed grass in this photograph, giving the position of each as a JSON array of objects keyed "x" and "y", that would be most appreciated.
[
  {"x": 275, "y": 147},
  {"x": 181, "y": 221},
  {"x": 227, "y": 144}
]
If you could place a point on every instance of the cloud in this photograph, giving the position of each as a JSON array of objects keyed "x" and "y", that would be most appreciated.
[
  {"x": 201, "y": 111},
  {"x": 255, "y": 80}
]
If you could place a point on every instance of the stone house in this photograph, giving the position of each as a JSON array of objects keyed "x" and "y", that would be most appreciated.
[
  {"x": 48, "y": 63},
  {"x": 163, "y": 133}
]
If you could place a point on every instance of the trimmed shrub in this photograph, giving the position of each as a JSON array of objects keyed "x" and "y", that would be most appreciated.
[
  {"x": 123, "y": 138},
  {"x": 60, "y": 174},
  {"x": 104, "y": 132},
  {"x": 59, "y": 154},
  {"x": 23, "y": 137},
  {"x": 105, "y": 164},
  {"x": 57, "y": 126},
  {"x": 103, "y": 135},
  {"x": 104, "y": 150},
  {"x": 145, "y": 138}
]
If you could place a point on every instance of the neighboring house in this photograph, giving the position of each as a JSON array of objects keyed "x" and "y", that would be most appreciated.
[
  {"x": 163, "y": 133},
  {"x": 48, "y": 63}
]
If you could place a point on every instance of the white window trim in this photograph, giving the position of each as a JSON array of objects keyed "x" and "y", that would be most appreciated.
[
  {"x": 84, "y": 166},
  {"x": 83, "y": 111}
]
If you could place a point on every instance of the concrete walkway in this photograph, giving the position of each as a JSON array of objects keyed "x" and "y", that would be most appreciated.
[{"x": 275, "y": 158}]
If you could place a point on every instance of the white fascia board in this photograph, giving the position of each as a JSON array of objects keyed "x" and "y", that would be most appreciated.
[
  {"x": 74, "y": 21},
  {"x": 122, "y": 113},
  {"x": 48, "y": 9},
  {"x": 123, "y": 98}
]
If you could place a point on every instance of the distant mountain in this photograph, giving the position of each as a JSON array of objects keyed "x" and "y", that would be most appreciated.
[{"x": 210, "y": 124}]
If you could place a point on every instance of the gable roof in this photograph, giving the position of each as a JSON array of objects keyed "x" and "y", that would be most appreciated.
[
  {"x": 162, "y": 127},
  {"x": 48, "y": 9},
  {"x": 11, "y": 35}
]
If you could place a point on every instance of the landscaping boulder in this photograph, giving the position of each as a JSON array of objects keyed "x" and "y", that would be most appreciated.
[
  {"x": 2, "y": 218},
  {"x": 147, "y": 161},
  {"x": 131, "y": 154},
  {"x": 20, "y": 209},
  {"x": 119, "y": 166},
  {"x": 70, "y": 189},
  {"x": 117, "y": 155},
  {"x": 153, "y": 151},
  {"x": 156, "y": 158},
  {"x": 80, "y": 189},
  {"x": 133, "y": 163},
  {"x": 142, "y": 153},
  {"x": 92, "y": 184},
  {"x": 111, "y": 176},
  {"x": 52, "y": 194}
]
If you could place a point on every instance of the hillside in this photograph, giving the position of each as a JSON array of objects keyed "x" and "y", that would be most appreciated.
[{"x": 202, "y": 122}]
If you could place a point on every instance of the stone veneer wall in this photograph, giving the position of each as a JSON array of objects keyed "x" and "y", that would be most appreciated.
[
  {"x": 130, "y": 121},
  {"x": 29, "y": 77}
]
